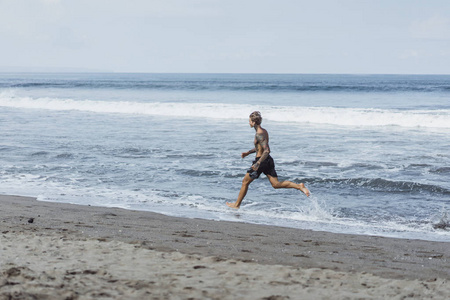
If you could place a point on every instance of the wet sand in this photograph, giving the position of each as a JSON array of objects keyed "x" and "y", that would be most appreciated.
[{"x": 63, "y": 251}]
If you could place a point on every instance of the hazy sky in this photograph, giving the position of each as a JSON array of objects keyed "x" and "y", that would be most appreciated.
[{"x": 238, "y": 36}]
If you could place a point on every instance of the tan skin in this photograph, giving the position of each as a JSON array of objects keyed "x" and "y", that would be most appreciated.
[{"x": 262, "y": 150}]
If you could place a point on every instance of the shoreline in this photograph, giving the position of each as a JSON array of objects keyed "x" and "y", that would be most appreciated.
[{"x": 209, "y": 246}]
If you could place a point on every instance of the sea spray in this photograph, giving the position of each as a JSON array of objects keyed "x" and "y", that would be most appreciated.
[{"x": 443, "y": 222}]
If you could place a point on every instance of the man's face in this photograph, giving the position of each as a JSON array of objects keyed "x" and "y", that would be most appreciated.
[{"x": 252, "y": 124}]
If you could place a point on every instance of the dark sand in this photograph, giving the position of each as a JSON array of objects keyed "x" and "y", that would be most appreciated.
[{"x": 424, "y": 264}]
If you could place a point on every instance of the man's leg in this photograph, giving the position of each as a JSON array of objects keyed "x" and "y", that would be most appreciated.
[
  {"x": 244, "y": 188},
  {"x": 287, "y": 185}
]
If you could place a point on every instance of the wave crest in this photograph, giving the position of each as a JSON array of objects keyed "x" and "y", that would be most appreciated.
[
  {"x": 384, "y": 185},
  {"x": 313, "y": 115}
]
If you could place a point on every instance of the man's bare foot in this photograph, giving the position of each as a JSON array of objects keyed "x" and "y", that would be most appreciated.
[
  {"x": 304, "y": 189},
  {"x": 232, "y": 205}
]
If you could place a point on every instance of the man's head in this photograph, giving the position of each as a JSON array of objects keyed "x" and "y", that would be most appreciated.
[{"x": 255, "y": 118}]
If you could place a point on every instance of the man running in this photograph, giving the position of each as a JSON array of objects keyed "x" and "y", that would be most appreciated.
[{"x": 263, "y": 163}]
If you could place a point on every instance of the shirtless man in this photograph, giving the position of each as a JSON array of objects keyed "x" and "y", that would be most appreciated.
[{"x": 263, "y": 163}]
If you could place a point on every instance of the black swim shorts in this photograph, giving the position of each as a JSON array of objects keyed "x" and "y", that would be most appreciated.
[{"x": 267, "y": 167}]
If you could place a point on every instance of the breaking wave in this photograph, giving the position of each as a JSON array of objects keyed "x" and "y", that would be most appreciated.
[
  {"x": 383, "y": 185},
  {"x": 314, "y": 115}
]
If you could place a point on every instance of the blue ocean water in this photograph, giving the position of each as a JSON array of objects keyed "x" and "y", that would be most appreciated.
[{"x": 372, "y": 149}]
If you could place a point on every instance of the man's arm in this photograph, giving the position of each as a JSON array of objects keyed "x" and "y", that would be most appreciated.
[{"x": 244, "y": 154}]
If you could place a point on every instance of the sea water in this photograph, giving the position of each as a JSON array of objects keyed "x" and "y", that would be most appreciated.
[{"x": 374, "y": 150}]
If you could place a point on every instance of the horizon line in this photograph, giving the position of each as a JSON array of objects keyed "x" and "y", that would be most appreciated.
[{"x": 74, "y": 71}]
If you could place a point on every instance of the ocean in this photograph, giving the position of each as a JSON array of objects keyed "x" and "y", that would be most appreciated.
[{"x": 372, "y": 149}]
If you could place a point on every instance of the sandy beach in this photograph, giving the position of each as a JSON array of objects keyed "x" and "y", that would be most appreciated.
[{"x": 63, "y": 251}]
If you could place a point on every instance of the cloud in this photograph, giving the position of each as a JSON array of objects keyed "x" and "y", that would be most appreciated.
[
  {"x": 51, "y": 1},
  {"x": 444, "y": 52},
  {"x": 436, "y": 28},
  {"x": 67, "y": 37},
  {"x": 409, "y": 54}
]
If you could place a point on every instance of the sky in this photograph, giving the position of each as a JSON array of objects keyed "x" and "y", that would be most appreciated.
[{"x": 226, "y": 36}]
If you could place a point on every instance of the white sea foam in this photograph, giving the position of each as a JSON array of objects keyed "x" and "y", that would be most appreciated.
[{"x": 296, "y": 114}]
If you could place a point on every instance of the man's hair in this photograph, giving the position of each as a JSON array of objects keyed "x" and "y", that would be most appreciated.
[{"x": 256, "y": 117}]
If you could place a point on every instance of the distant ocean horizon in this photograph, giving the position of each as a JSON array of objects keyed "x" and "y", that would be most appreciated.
[
  {"x": 373, "y": 149},
  {"x": 85, "y": 70}
]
